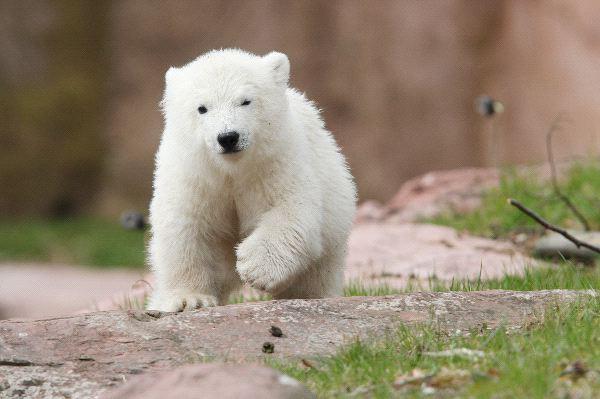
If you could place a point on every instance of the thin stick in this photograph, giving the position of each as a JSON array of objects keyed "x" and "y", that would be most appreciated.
[
  {"x": 552, "y": 227},
  {"x": 553, "y": 128}
]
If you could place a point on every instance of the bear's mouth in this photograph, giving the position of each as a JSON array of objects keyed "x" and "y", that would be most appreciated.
[{"x": 231, "y": 151}]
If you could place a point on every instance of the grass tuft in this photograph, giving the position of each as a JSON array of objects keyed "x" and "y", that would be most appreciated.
[
  {"x": 495, "y": 218},
  {"x": 565, "y": 275}
]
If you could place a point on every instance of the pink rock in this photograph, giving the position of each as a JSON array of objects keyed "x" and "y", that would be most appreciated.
[
  {"x": 370, "y": 211},
  {"x": 396, "y": 253},
  {"x": 213, "y": 380},
  {"x": 428, "y": 195}
]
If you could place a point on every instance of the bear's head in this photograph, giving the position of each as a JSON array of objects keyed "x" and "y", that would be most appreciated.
[{"x": 228, "y": 102}]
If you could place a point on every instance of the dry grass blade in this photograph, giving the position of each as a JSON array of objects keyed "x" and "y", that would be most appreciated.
[{"x": 553, "y": 128}]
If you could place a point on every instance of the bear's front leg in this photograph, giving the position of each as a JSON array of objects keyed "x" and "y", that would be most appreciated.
[
  {"x": 186, "y": 271},
  {"x": 282, "y": 246}
]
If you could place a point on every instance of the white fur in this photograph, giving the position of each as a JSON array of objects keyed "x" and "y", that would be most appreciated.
[{"x": 275, "y": 215}]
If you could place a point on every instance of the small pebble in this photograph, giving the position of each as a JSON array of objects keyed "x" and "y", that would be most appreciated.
[
  {"x": 276, "y": 331},
  {"x": 135, "y": 371},
  {"x": 268, "y": 347},
  {"x": 33, "y": 382}
]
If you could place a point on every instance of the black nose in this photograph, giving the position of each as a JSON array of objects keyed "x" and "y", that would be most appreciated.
[{"x": 228, "y": 140}]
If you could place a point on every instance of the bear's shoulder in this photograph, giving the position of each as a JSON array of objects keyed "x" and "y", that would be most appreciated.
[{"x": 304, "y": 109}]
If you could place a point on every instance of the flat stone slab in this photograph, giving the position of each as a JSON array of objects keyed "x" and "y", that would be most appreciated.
[
  {"x": 434, "y": 193},
  {"x": 395, "y": 254},
  {"x": 83, "y": 355}
]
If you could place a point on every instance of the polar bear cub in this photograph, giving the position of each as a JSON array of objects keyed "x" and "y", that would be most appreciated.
[{"x": 249, "y": 187}]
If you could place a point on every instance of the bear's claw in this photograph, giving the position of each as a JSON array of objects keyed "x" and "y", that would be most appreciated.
[{"x": 181, "y": 302}]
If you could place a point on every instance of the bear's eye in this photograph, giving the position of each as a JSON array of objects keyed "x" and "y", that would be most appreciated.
[
  {"x": 246, "y": 102},
  {"x": 202, "y": 109}
]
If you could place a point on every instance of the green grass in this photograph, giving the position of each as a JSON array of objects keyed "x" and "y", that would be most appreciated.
[
  {"x": 240, "y": 298},
  {"x": 521, "y": 364},
  {"x": 81, "y": 241},
  {"x": 496, "y": 218},
  {"x": 525, "y": 364},
  {"x": 565, "y": 275}
]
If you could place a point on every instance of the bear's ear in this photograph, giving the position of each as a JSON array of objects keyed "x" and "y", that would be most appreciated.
[
  {"x": 171, "y": 73},
  {"x": 280, "y": 66}
]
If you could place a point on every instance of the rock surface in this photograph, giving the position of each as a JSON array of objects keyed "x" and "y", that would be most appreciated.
[
  {"x": 433, "y": 193},
  {"x": 554, "y": 245},
  {"x": 212, "y": 380},
  {"x": 81, "y": 356},
  {"x": 396, "y": 254}
]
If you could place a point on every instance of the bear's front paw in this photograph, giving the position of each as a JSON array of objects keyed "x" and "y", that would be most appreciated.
[
  {"x": 255, "y": 276},
  {"x": 180, "y": 301},
  {"x": 257, "y": 269}
]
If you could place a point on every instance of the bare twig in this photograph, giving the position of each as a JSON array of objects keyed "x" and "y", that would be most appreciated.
[
  {"x": 553, "y": 128},
  {"x": 552, "y": 227}
]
